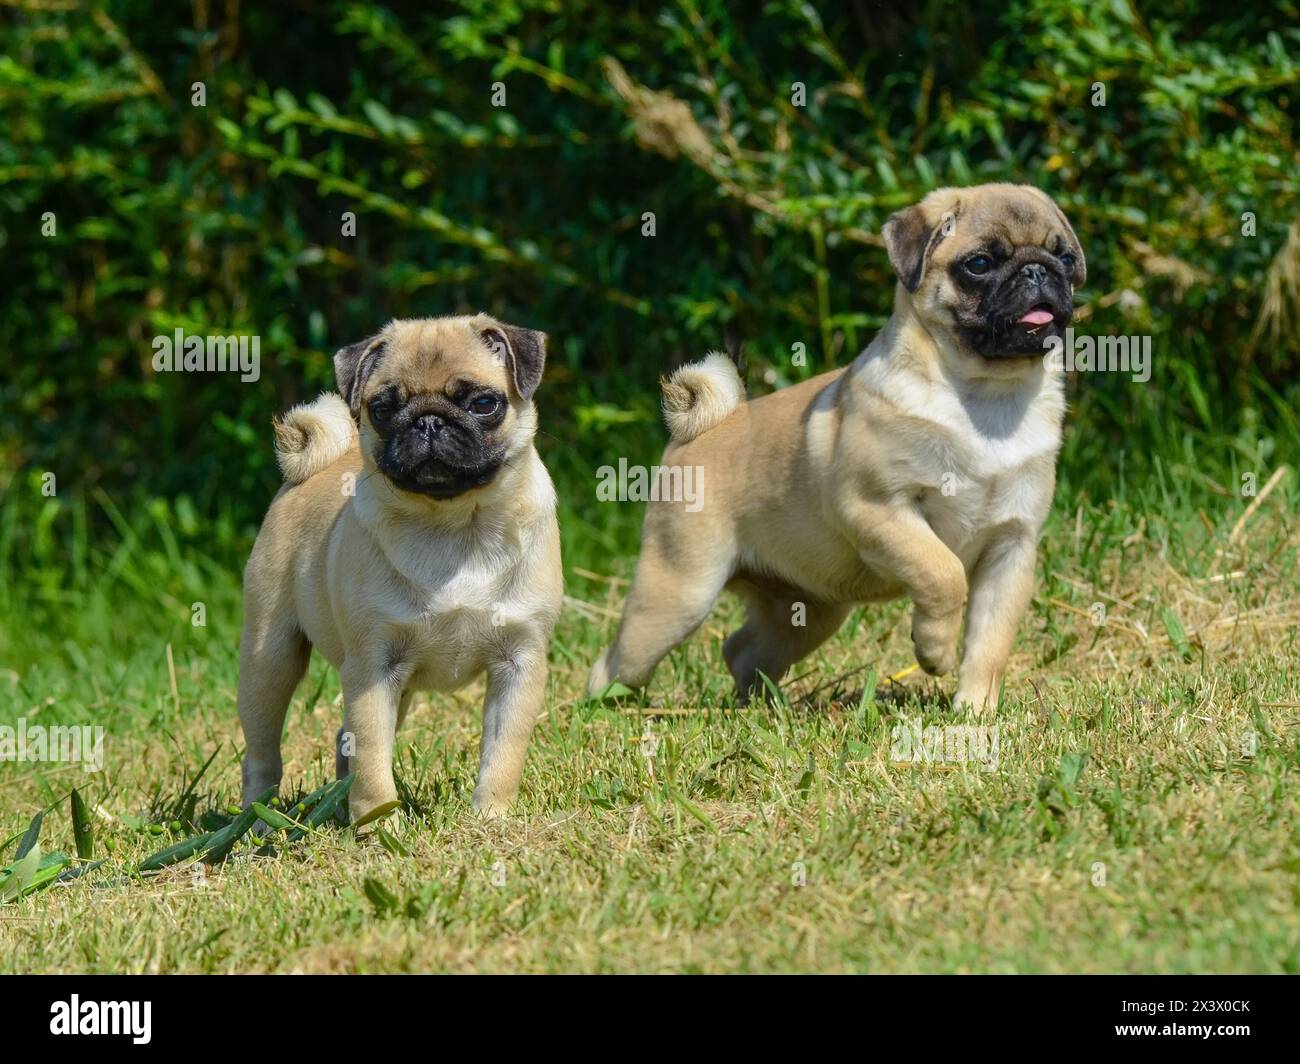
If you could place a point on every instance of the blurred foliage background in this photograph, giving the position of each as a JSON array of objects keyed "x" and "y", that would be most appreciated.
[{"x": 229, "y": 218}]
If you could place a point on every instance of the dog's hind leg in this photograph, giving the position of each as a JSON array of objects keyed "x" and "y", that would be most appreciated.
[
  {"x": 778, "y": 631},
  {"x": 671, "y": 594},
  {"x": 271, "y": 663}
]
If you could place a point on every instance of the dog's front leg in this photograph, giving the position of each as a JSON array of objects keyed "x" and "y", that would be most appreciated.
[
  {"x": 897, "y": 543},
  {"x": 1002, "y": 583},
  {"x": 516, "y": 687},
  {"x": 371, "y": 692}
]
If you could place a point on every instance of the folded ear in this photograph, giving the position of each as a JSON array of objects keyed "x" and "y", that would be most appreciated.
[
  {"x": 352, "y": 365},
  {"x": 910, "y": 240},
  {"x": 522, "y": 350},
  {"x": 1080, "y": 272}
]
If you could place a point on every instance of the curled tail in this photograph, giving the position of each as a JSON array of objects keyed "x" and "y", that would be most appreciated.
[
  {"x": 312, "y": 435},
  {"x": 699, "y": 395}
]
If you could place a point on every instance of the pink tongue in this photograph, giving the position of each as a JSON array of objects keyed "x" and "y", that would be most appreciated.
[{"x": 1036, "y": 317}]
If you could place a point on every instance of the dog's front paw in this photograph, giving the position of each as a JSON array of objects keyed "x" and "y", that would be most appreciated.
[
  {"x": 599, "y": 678},
  {"x": 973, "y": 703},
  {"x": 368, "y": 814},
  {"x": 935, "y": 641},
  {"x": 371, "y": 799},
  {"x": 490, "y": 806},
  {"x": 977, "y": 694}
]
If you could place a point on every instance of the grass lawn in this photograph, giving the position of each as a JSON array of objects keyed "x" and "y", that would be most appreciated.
[{"x": 1143, "y": 813}]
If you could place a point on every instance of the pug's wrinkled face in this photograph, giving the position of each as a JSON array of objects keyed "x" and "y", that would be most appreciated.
[
  {"x": 991, "y": 268},
  {"x": 443, "y": 403}
]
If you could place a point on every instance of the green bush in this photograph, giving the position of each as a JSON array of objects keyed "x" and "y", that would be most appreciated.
[{"x": 228, "y": 217}]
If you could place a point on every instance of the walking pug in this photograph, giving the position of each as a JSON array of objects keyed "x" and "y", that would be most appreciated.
[
  {"x": 414, "y": 545},
  {"x": 925, "y": 469}
]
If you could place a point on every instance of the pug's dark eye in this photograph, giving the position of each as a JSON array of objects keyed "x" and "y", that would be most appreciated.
[
  {"x": 1067, "y": 260},
  {"x": 484, "y": 405},
  {"x": 978, "y": 264},
  {"x": 382, "y": 408}
]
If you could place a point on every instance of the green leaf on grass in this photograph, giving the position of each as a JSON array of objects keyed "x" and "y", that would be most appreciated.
[
  {"x": 34, "y": 871},
  {"x": 1177, "y": 633},
  {"x": 30, "y": 836},
  {"x": 391, "y": 844},
  {"x": 1071, "y": 769},
  {"x": 806, "y": 780},
  {"x": 82, "y": 835},
  {"x": 613, "y": 690},
  {"x": 176, "y": 852},
  {"x": 383, "y": 899},
  {"x": 695, "y": 811},
  {"x": 223, "y": 841},
  {"x": 273, "y": 818},
  {"x": 69, "y": 874},
  {"x": 49, "y": 869},
  {"x": 324, "y": 809},
  {"x": 19, "y": 874}
]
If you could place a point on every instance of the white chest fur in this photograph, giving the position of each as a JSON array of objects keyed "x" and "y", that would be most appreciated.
[
  {"x": 978, "y": 456},
  {"x": 449, "y": 600}
]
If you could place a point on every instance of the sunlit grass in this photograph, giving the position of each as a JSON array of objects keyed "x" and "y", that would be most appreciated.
[{"x": 1142, "y": 814}]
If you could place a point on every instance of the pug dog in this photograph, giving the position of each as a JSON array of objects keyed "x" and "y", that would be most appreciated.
[
  {"x": 414, "y": 544},
  {"x": 925, "y": 469}
]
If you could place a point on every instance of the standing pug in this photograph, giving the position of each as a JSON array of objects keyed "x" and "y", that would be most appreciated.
[
  {"x": 925, "y": 469},
  {"x": 414, "y": 545}
]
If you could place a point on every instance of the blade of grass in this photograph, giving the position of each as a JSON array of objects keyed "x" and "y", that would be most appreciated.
[
  {"x": 195, "y": 781},
  {"x": 694, "y": 810}
]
